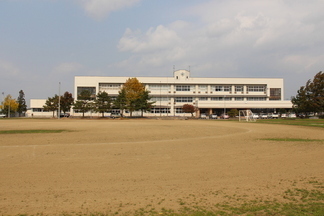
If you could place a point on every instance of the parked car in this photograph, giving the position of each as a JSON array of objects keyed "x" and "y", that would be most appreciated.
[
  {"x": 213, "y": 116},
  {"x": 283, "y": 115},
  {"x": 292, "y": 115},
  {"x": 273, "y": 115},
  {"x": 115, "y": 115},
  {"x": 264, "y": 115},
  {"x": 255, "y": 116},
  {"x": 2, "y": 115},
  {"x": 224, "y": 116},
  {"x": 203, "y": 116},
  {"x": 62, "y": 115}
]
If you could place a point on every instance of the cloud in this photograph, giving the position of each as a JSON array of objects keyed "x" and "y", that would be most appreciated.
[
  {"x": 158, "y": 38},
  {"x": 98, "y": 9},
  {"x": 235, "y": 32}
]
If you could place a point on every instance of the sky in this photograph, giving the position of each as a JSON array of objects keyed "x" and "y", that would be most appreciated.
[{"x": 47, "y": 42}]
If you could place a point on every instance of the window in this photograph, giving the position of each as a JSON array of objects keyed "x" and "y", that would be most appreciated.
[
  {"x": 183, "y": 99},
  {"x": 275, "y": 94},
  {"x": 115, "y": 111},
  {"x": 221, "y": 98},
  {"x": 239, "y": 98},
  {"x": 239, "y": 88},
  {"x": 156, "y": 99},
  {"x": 160, "y": 110},
  {"x": 203, "y": 87},
  {"x": 203, "y": 98},
  {"x": 256, "y": 88},
  {"x": 108, "y": 86},
  {"x": 182, "y": 88},
  {"x": 179, "y": 110},
  {"x": 221, "y": 88},
  {"x": 159, "y": 87},
  {"x": 256, "y": 98},
  {"x": 92, "y": 91},
  {"x": 37, "y": 109}
]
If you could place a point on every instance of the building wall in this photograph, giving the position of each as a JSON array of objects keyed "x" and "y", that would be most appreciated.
[{"x": 36, "y": 109}]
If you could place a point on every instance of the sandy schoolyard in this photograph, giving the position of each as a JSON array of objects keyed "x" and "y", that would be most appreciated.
[{"x": 118, "y": 165}]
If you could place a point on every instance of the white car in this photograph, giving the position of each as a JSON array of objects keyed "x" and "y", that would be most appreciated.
[
  {"x": 224, "y": 116},
  {"x": 275, "y": 115},
  {"x": 292, "y": 115},
  {"x": 264, "y": 116},
  {"x": 203, "y": 116},
  {"x": 213, "y": 116},
  {"x": 2, "y": 115},
  {"x": 283, "y": 115},
  {"x": 256, "y": 116}
]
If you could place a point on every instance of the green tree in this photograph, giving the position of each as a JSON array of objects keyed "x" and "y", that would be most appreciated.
[
  {"x": 188, "y": 108},
  {"x": 120, "y": 102},
  {"x": 66, "y": 102},
  {"x": 102, "y": 103},
  {"x": 310, "y": 98},
  {"x": 233, "y": 113},
  {"x": 51, "y": 104},
  {"x": 84, "y": 104},
  {"x": 22, "y": 107},
  {"x": 317, "y": 92},
  {"x": 9, "y": 105},
  {"x": 143, "y": 103}
]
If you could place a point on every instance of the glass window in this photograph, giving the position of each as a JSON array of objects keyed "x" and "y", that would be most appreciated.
[
  {"x": 160, "y": 99},
  {"x": 92, "y": 91},
  {"x": 203, "y": 98},
  {"x": 275, "y": 94},
  {"x": 239, "y": 98},
  {"x": 221, "y": 98},
  {"x": 222, "y": 88},
  {"x": 108, "y": 86},
  {"x": 160, "y": 110},
  {"x": 179, "y": 110},
  {"x": 159, "y": 87},
  {"x": 203, "y": 87},
  {"x": 256, "y": 88},
  {"x": 183, "y": 99},
  {"x": 256, "y": 98},
  {"x": 183, "y": 88},
  {"x": 239, "y": 88}
]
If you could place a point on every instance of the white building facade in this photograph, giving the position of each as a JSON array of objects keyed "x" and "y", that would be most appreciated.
[{"x": 208, "y": 95}]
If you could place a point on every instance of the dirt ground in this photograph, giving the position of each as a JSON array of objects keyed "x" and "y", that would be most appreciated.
[{"x": 122, "y": 165}]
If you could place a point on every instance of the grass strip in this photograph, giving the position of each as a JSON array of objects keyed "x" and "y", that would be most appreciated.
[
  {"x": 298, "y": 122},
  {"x": 293, "y": 140},
  {"x": 30, "y": 131}
]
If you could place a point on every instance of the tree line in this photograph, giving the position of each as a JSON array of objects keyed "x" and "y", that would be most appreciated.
[
  {"x": 132, "y": 97},
  {"x": 10, "y": 105},
  {"x": 310, "y": 98}
]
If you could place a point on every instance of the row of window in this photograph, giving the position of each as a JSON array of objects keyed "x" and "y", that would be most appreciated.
[
  {"x": 218, "y": 88},
  {"x": 160, "y": 110},
  {"x": 191, "y": 99}
]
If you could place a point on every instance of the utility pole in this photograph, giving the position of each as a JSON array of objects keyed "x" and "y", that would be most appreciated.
[{"x": 59, "y": 102}]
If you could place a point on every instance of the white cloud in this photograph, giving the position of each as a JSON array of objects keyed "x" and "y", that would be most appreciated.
[
  {"x": 158, "y": 38},
  {"x": 231, "y": 35},
  {"x": 98, "y": 9}
]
